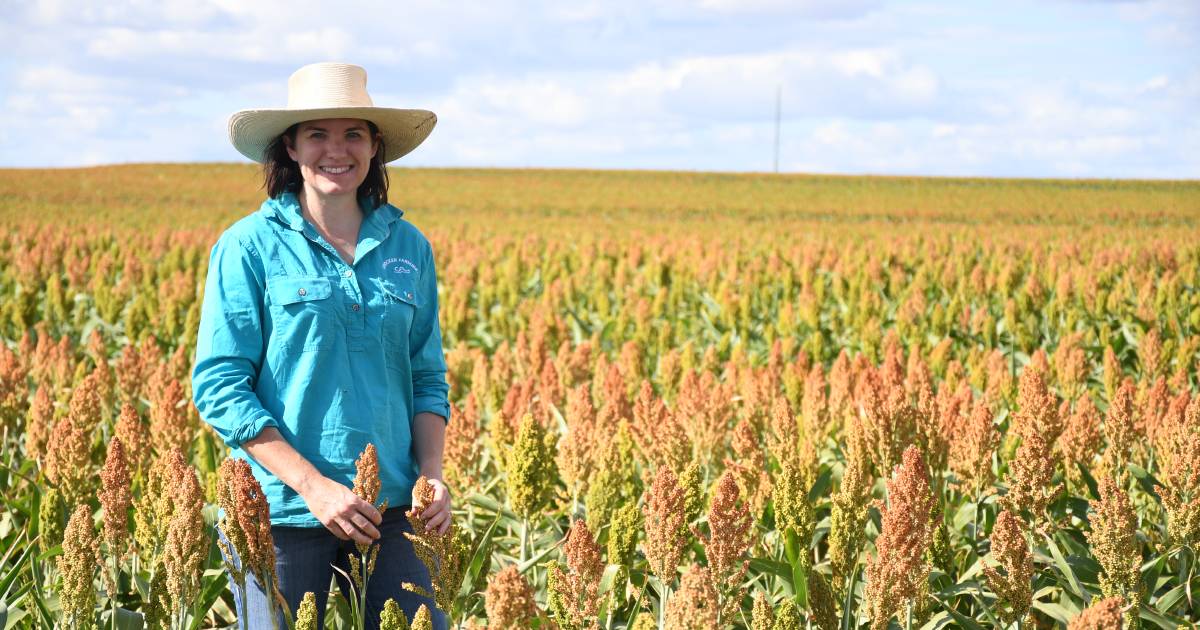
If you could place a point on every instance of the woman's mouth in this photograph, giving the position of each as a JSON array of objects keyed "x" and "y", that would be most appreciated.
[{"x": 335, "y": 170}]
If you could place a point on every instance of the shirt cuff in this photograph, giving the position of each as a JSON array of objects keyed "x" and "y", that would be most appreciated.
[
  {"x": 249, "y": 430},
  {"x": 432, "y": 404}
]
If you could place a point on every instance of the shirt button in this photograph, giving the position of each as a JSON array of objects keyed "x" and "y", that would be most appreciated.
[
  {"x": 347, "y": 273},
  {"x": 303, "y": 292},
  {"x": 408, "y": 295},
  {"x": 355, "y": 308}
]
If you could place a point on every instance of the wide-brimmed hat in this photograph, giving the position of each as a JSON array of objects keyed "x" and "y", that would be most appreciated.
[{"x": 329, "y": 90}]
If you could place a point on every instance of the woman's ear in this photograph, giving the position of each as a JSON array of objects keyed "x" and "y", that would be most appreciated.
[
  {"x": 288, "y": 144},
  {"x": 378, "y": 142}
]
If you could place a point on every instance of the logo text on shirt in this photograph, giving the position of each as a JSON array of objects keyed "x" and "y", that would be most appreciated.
[{"x": 400, "y": 265}]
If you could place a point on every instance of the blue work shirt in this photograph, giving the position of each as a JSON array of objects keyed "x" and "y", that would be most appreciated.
[{"x": 334, "y": 356}]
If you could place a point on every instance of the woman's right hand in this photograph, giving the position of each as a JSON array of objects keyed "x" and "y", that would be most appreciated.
[{"x": 341, "y": 511}]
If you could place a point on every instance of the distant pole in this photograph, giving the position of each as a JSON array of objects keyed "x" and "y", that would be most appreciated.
[{"x": 778, "y": 110}]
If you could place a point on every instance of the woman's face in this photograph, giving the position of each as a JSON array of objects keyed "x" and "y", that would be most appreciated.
[{"x": 334, "y": 154}]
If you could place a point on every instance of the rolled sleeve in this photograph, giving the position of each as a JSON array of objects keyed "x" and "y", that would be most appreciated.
[
  {"x": 430, "y": 390},
  {"x": 229, "y": 346}
]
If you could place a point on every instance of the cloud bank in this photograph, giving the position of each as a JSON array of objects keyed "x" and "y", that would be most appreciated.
[{"x": 1075, "y": 89}]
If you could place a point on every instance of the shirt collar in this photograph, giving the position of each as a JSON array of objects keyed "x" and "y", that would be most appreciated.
[{"x": 286, "y": 208}]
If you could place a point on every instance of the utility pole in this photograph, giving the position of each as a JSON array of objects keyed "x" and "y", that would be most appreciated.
[{"x": 778, "y": 110}]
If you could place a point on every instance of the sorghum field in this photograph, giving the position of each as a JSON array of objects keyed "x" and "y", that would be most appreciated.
[{"x": 681, "y": 401}]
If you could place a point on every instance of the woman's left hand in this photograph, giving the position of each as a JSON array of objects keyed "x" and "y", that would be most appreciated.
[{"x": 437, "y": 513}]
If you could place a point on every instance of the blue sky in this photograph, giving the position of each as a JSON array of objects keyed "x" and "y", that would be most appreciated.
[{"x": 1017, "y": 88}]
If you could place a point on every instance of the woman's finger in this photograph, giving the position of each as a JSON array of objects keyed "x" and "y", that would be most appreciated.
[
  {"x": 336, "y": 529},
  {"x": 365, "y": 526},
  {"x": 356, "y": 534}
]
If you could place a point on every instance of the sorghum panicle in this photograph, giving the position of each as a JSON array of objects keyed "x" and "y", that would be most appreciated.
[
  {"x": 306, "y": 614},
  {"x": 1010, "y": 552},
  {"x": 116, "y": 498},
  {"x": 1181, "y": 475},
  {"x": 1114, "y": 543},
  {"x": 443, "y": 554},
  {"x": 530, "y": 470},
  {"x": 971, "y": 450},
  {"x": 77, "y": 566},
  {"x": 39, "y": 423},
  {"x": 392, "y": 617},
  {"x": 509, "y": 600},
  {"x": 574, "y": 591},
  {"x": 821, "y": 602},
  {"x": 848, "y": 514},
  {"x": 187, "y": 538},
  {"x": 1032, "y": 468},
  {"x": 576, "y": 451},
  {"x": 247, "y": 520},
  {"x": 898, "y": 572},
  {"x": 1080, "y": 439},
  {"x": 68, "y": 461},
  {"x": 1119, "y": 430},
  {"x": 423, "y": 620},
  {"x": 695, "y": 606},
  {"x": 725, "y": 548},
  {"x": 133, "y": 433},
  {"x": 762, "y": 617},
  {"x": 666, "y": 527},
  {"x": 1105, "y": 614}
]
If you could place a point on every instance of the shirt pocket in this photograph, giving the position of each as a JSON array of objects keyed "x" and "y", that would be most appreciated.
[
  {"x": 305, "y": 318},
  {"x": 401, "y": 301}
]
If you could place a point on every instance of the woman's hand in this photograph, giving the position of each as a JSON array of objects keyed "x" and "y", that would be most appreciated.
[
  {"x": 437, "y": 513},
  {"x": 341, "y": 511}
]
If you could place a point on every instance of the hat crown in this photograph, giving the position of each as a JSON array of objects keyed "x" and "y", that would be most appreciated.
[{"x": 321, "y": 85}]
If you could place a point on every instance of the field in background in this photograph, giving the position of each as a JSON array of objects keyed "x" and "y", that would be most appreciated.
[{"x": 729, "y": 369}]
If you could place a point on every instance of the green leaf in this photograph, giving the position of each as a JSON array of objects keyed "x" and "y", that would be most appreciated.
[
  {"x": 1055, "y": 611},
  {"x": 1073, "y": 584},
  {"x": 125, "y": 619},
  {"x": 1169, "y": 622},
  {"x": 774, "y": 567},
  {"x": 960, "y": 618},
  {"x": 1167, "y": 601},
  {"x": 1146, "y": 480},
  {"x": 212, "y": 585}
]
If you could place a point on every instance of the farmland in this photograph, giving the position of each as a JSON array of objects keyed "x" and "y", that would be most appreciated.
[{"x": 681, "y": 400}]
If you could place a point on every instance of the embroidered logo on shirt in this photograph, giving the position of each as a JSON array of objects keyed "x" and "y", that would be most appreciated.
[{"x": 400, "y": 265}]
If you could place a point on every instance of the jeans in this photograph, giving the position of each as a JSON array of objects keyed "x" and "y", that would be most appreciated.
[{"x": 304, "y": 562}]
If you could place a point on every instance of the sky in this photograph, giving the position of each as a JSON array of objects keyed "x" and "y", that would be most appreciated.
[{"x": 1014, "y": 88}]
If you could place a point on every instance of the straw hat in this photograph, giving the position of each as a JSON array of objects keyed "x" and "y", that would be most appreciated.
[{"x": 329, "y": 90}]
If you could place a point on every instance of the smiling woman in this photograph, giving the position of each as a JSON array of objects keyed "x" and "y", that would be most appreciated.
[
  {"x": 333, "y": 154},
  {"x": 312, "y": 347}
]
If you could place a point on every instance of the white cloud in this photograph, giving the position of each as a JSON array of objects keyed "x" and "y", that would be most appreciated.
[{"x": 912, "y": 88}]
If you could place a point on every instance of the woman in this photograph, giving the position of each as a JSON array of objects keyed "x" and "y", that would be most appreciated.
[{"x": 319, "y": 335}]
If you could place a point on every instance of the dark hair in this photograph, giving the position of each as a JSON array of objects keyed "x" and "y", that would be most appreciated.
[{"x": 282, "y": 174}]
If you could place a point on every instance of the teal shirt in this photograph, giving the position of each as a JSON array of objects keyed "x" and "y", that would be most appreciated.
[{"x": 335, "y": 356}]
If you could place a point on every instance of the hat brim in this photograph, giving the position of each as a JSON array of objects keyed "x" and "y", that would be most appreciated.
[{"x": 252, "y": 130}]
